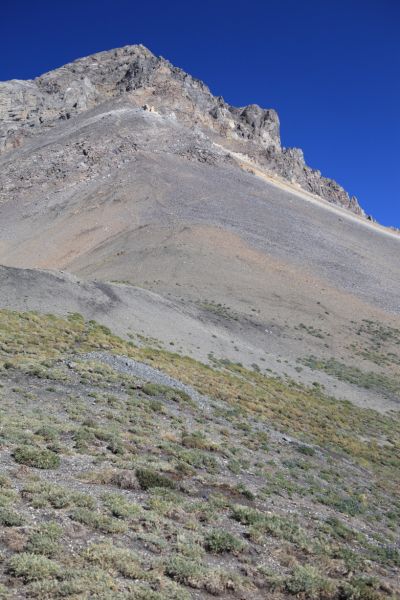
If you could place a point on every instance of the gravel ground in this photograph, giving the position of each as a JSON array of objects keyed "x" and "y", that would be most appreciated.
[{"x": 122, "y": 364}]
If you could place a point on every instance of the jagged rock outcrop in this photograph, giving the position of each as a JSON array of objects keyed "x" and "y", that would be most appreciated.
[
  {"x": 133, "y": 74},
  {"x": 289, "y": 163}
]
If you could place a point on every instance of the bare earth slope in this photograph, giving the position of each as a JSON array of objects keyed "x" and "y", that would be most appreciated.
[{"x": 121, "y": 168}]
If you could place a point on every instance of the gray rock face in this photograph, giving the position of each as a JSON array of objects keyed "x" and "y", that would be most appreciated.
[
  {"x": 136, "y": 76},
  {"x": 289, "y": 163}
]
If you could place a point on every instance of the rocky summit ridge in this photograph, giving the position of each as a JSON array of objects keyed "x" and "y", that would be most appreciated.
[{"x": 134, "y": 75}]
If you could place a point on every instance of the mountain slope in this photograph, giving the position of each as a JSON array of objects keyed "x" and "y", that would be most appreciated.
[
  {"x": 241, "y": 437},
  {"x": 120, "y": 167},
  {"x": 136, "y": 474}
]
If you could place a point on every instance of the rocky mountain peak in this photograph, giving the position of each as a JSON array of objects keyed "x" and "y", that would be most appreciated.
[{"x": 134, "y": 75}]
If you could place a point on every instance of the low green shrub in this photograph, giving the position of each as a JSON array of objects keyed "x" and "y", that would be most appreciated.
[
  {"x": 148, "y": 478},
  {"x": 120, "y": 506},
  {"x": 361, "y": 588},
  {"x": 197, "y": 576},
  {"x": 197, "y": 440},
  {"x": 32, "y": 567},
  {"x": 185, "y": 571},
  {"x": 33, "y": 456},
  {"x": 48, "y": 433},
  {"x": 156, "y": 389},
  {"x": 246, "y": 515},
  {"x": 341, "y": 530},
  {"x": 306, "y": 450},
  {"x": 105, "y": 555},
  {"x": 219, "y": 541},
  {"x": 307, "y": 582},
  {"x": 45, "y": 540},
  {"x": 9, "y": 518},
  {"x": 96, "y": 520}
]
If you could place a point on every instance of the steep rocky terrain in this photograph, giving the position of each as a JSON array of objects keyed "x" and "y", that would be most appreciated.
[
  {"x": 240, "y": 438},
  {"x": 135, "y": 76}
]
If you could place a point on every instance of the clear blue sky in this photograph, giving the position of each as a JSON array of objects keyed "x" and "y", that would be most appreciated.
[{"x": 331, "y": 68}]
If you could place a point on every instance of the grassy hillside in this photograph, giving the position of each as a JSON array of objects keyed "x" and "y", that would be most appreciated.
[{"x": 248, "y": 487}]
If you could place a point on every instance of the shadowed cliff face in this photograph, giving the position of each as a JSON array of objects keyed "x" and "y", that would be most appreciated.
[{"x": 133, "y": 74}]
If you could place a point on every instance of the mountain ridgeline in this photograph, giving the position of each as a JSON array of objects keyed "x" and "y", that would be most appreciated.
[{"x": 135, "y": 76}]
